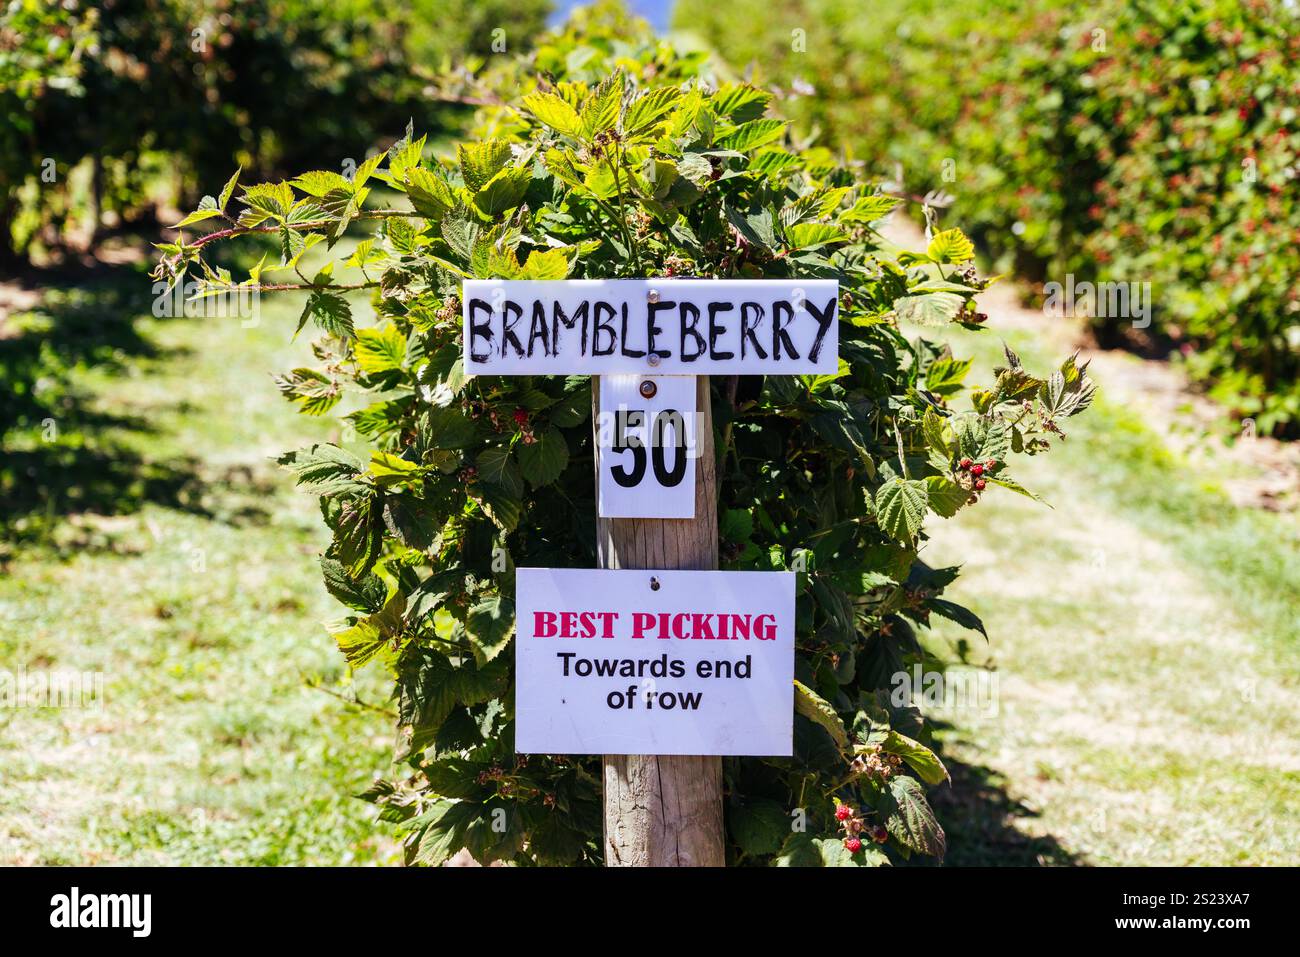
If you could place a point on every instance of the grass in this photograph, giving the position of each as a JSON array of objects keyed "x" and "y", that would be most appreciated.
[
  {"x": 198, "y": 598},
  {"x": 1146, "y": 634}
]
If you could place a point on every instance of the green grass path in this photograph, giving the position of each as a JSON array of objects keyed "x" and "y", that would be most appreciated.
[
  {"x": 205, "y": 620},
  {"x": 1146, "y": 635}
]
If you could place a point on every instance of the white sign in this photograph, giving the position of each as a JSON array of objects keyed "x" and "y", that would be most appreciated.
[
  {"x": 621, "y": 661},
  {"x": 659, "y": 326},
  {"x": 646, "y": 437}
]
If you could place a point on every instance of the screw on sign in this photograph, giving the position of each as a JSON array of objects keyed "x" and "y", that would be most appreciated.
[{"x": 665, "y": 673}]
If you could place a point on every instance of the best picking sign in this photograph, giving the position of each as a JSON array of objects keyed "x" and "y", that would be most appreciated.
[{"x": 621, "y": 661}]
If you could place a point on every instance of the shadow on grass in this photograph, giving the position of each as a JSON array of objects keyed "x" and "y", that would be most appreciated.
[
  {"x": 61, "y": 455},
  {"x": 980, "y": 820}
]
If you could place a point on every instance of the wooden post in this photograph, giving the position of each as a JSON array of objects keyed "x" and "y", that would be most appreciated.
[{"x": 665, "y": 810}]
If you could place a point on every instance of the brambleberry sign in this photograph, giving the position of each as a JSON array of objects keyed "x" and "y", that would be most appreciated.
[
  {"x": 650, "y": 326},
  {"x": 620, "y": 661}
]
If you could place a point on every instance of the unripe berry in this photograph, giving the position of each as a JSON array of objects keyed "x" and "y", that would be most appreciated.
[
  {"x": 879, "y": 834},
  {"x": 852, "y": 845},
  {"x": 843, "y": 812},
  {"x": 991, "y": 464},
  {"x": 965, "y": 463}
]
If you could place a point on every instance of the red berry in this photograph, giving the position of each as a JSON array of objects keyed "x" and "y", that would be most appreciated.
[
  {"x": 843, "y": 812},
  {"x": 852, "y": 845},
  {"x": 980, "y": 485},
  {"x": 977, "y": 469},
  {"x": 965, "y": 463},
  {"x": 521, "y": 417},
  {"x": 879, "y": 834}
]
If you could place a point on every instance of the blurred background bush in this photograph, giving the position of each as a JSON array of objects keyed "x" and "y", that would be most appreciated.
[
  {"x": 117, "y": 106},
  {"x": 1134, "y": 140}
]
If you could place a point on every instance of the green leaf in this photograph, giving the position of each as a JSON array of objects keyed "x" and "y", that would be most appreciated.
[
  {"x": 909, "y": 818},
  {"x": 758, "y": 825},
  {"x": 366, "y": 593},
  {"x": 950, "y": 246},
  {"x": 955, "y": 612},
  {"x": 945, "y": 496},
  {"x": 900, "y": 507},
  {"x": 489, "y": 626},
  {"x": 379, "y": 350},
  {"x": 229, "y": 188},
  {"x": 430, "y": 196},
  {"x": 929, "y": 309},
  {"x": 326, "y": 469},
  {"x": 546, "y": 264},
  {"x": 545, "y": 459},
  {"x": 553, "y": 112},
  {"x": 740, "y": 102},
  {"x": 497, "y": 465},
  {"x": 331, "y": 313},
  {"x": 798, "y": 851},
  {"x": 944, "y": 375},
  {"x": 834, "y": 854},
  {"x": 198, "y": 216},
  {"x": 749, "y": 136},
  {"x": 649, "y": 109},
  {"x": 321, "y": 182},
  {"x": 1017, "y": 488},
  {"x": 812, "y": 706},
  {"x": 918, "y": 757},
  {"x": 410, "y": 520},
  {"x": 600, "y": 112},
  {"x": 868, "y": 209},
  {"x": 811, "y": 235},
  {"x": 504, "y": 191},
  {"x": 479, "y": 162},
  {"x": 501, "y": 504}
]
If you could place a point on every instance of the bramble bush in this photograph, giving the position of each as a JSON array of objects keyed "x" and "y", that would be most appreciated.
[
  {"x": 1150, "y": 141},
  {"x": 605, "y": 154},
  {"x": 155, "y": 91}
]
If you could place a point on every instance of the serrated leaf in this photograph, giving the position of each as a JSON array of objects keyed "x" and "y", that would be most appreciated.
[
  {"x": 950, "y": 246},
  {"x": 812, "y": 235},
  {"x": 553, "y": 112},
  {"x": 330, "y": 312},
  {"x": 379, "y": 350},
  {"x": 504, "y": 191},
  {"x": 480, "y": 161},
  {"x": 326, "y": 469},
  {"x": 929, "y": 309},
  {"x": 431, "y": 197},
  {"x": 945, "y": 496},
  {"x": 918, "y": 757},
  {"x": 910, "y": 819},
  {"x": 758, "y": 825},
  {"x": 489, "y": 626},
  {"x": 749, "y": 136},
  {"x": 545, "y": 459},
  {"x": 900, "y": 507}
]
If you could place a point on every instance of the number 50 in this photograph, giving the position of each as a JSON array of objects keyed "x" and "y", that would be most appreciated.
[{"x": 668, "y": 477}]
